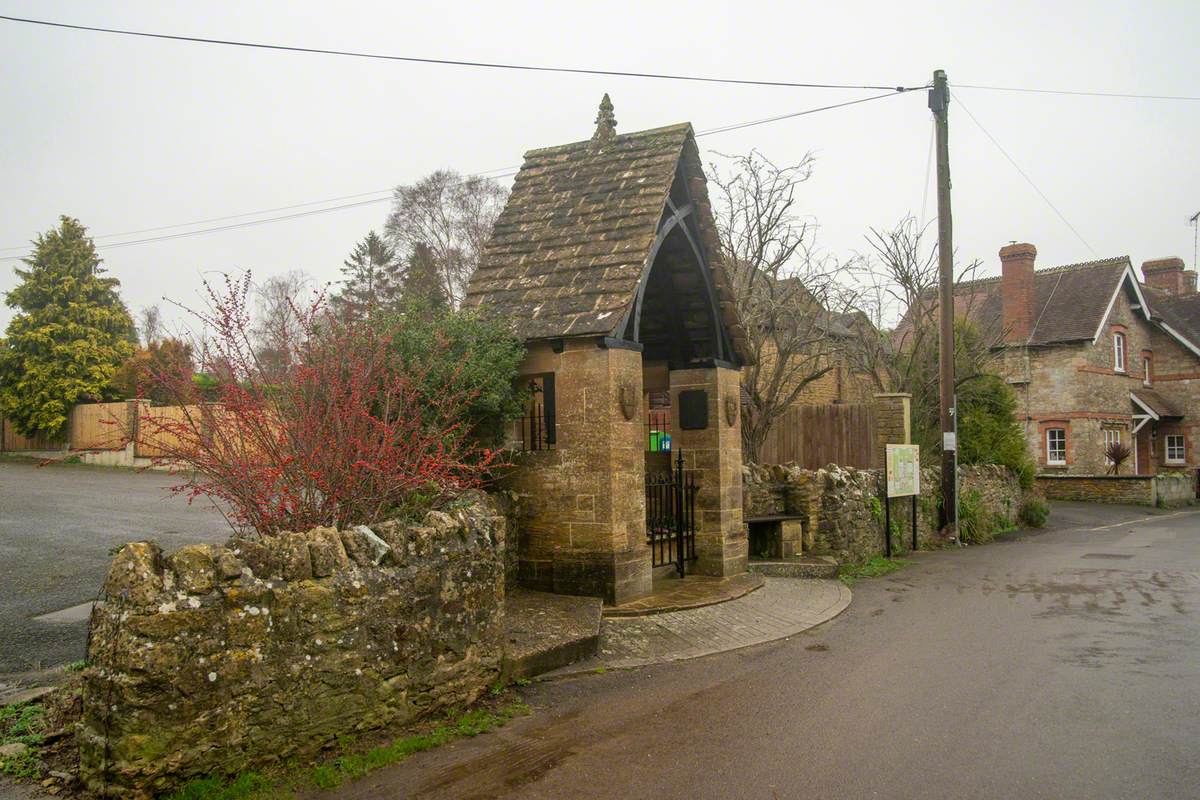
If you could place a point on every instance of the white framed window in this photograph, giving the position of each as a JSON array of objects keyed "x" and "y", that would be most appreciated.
[
  {"x": 1119, "y": 352},
  {"x": 1145, "y": 370},
  {"x": 1111, "y": 436},
  {"x": 1174, "y": 448},
  {"x": 1056, "y": 446}
]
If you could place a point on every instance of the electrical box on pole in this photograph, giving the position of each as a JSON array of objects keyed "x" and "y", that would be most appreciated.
[{"x": 939, "y": 103}]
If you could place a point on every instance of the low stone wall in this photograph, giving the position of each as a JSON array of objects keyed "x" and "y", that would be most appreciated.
[
  {"x": 1166, "y": 490},
  {"x": 214, "y": 660},
  {"x": 1099, "y": 488},
  {"x": 842, "y": 513}
]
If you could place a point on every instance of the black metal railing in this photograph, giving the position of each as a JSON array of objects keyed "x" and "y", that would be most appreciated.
[
  {"x": 671, "y": 516},
  {"x": 537, "y": 430},
  {"x": 658, "y": 431}
]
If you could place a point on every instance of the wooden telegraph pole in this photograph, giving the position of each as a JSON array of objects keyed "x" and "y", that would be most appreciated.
[{"x": 939, "y": 102}]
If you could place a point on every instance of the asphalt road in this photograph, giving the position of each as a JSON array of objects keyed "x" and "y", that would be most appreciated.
[
  {"x": 1060, "y": 664},
  {"x": 58, "y": 524}
]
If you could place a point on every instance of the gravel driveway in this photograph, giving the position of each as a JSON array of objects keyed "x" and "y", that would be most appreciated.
[{"x": 58, "y": 524}]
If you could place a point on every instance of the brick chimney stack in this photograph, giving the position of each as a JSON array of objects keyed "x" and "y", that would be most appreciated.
[
  {"x": 1168, "y": 273},
  {"x": 1016, "y": 291}
]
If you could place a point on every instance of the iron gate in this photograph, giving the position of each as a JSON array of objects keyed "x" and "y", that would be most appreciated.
[{"x": 671, "y": 516}]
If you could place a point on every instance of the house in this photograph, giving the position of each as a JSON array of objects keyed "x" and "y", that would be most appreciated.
[
  {"x": 606, "y": 262},
  {"x": 1096, "y": 357}
]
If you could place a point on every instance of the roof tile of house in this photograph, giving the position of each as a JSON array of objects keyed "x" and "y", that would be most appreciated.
[
  {"x": 1069, "y": 300},
  {"x": 1182, "y": 314},
  {"x": 1070, "y": 303},
  {"x": 1157, "y": 403}
]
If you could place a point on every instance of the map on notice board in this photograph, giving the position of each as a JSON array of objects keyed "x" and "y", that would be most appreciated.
[{"x": 903, "y": 470}]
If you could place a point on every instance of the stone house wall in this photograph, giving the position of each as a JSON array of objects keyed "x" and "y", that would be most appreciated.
[
  {"x": 214, "y": 660},
  {"x": 841, "y": 508}
]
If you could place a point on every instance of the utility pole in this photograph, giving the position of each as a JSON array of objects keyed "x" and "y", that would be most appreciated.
[{"x": 939, "y": 102}]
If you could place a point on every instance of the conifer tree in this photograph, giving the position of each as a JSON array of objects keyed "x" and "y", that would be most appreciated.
[
  {"x": 70, "y": 334},
  {"x": 371, "y": 278},
  {"x": 423, "y": 286}
]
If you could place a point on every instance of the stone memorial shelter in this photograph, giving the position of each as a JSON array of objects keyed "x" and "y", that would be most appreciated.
[{"x": 606, "y": 262}]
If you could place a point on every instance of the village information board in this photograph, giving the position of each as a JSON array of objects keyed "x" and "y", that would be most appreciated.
[{"x": 903, "y": 470}]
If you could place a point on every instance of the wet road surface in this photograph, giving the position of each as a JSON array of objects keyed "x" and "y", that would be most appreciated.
[
  {"x": 58, "y": 524},
  {"x": 1056, "y": 664}
]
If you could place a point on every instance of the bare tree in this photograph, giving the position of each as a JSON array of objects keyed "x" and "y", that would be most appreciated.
[
  {"x": 277, "y": 323},
  {"x": 453, "y": 216},
  {"x": 789, "y": 296},
  {"x": 898, "y": 288},
  {"x": 150, "y": 325}
]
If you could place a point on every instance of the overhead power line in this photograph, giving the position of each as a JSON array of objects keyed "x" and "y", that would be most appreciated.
[
  {"x": 244, "y": 214},
  {"x": 1080, "y": 93},
  {"x": 508, "y": 172},
  {"x": 792, "y": 115},
  {"x": 448, "y": 61},
  {"x": 222, "y": 219},
  {"x": 1024, "y": 175}
]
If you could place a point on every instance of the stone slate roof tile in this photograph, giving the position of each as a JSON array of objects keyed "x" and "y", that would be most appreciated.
[{"x": 569, "y": 249}]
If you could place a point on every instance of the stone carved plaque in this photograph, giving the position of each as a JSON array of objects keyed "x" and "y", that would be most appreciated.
[
  {"x": 629, "y": 401},
  {"x": 731, "y": 409}
]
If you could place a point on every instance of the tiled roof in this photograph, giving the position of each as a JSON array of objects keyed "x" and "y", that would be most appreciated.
[
  {"x": 1182, "y": 314},
  {"x": 569, "y": 249},
  {"x": 1069, "y": 301},
  {"x": 1156, "y": 403}
]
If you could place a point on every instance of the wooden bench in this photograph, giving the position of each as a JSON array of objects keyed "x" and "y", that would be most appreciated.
[{"x": 775, "y": 535}]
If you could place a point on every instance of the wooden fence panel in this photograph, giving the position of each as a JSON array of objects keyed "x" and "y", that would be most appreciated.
[
  {"x": 153, "y": 441},
  {"x": 13, "y": 442},
  {"x": 99, "y": 426},
  {"x": 815, "y": 435}
]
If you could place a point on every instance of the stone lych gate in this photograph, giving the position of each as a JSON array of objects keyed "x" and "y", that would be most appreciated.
[{"x": 606, "y": 261}]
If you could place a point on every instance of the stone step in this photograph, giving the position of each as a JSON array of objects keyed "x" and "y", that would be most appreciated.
[
  {"x": 546, "y": 631},
  {"x": 675, "y": 594},
  {"x": 802, "y": 567}
]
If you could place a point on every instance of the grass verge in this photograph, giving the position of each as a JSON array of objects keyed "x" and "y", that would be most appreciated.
[
  {"x": 875, "y": 568},
  {"x": 24, "y": 724},
  {"x": 349, "y": 765}
]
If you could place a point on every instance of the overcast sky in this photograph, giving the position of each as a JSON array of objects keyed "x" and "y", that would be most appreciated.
[{"x": 127, "y": 134}]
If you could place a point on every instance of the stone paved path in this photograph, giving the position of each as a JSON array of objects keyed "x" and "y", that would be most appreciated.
[{"x": 782, "y": 607}]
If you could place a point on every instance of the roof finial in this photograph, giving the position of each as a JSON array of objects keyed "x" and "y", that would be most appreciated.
[{"x": 606, "y": 123}]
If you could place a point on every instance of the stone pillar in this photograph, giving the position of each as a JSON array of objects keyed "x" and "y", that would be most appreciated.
[
  {"x": 715, "y": 453},
  {"x": 582, "y": 505},
  {"x": 892, "y": 423}
]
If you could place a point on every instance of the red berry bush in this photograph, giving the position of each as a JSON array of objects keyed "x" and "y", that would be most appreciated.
[{"x": 343, "y": 434}]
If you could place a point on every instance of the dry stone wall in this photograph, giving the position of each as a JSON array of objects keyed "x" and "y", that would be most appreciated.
[
  {"x": 841, "y": 508},
  {"x": 214, "y": 660}
]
